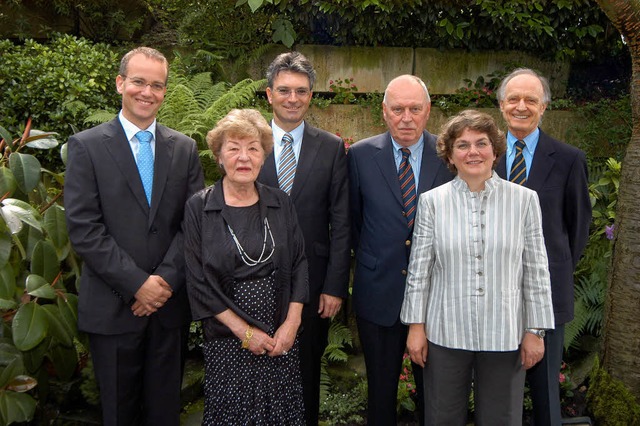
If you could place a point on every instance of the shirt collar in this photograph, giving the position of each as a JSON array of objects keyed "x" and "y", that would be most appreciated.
[
  {"x": 131, "y": 129},
  {"x": 531, "y": 140},
  {"x": 278, "y": 133},
  {"x": 413, "y": 148}
]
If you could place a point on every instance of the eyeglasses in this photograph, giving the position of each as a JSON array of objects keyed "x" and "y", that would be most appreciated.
[
  {"x": 285, "y": 92},
  {"x": 141, "y": 83},
  {"x": 466, "y": 146}
]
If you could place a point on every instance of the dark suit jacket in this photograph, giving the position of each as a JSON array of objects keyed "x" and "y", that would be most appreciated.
[
  {"x": 559, "y": 175},
  {"x": 381, "y": 238},
  {"x": 121, "y": 239},
  {"x": 321, "y": 199}
]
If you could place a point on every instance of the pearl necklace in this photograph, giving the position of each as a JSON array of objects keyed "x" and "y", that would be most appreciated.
[{"x": 243, "y": 254}]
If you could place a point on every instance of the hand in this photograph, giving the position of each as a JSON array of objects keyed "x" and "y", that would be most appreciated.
[
  {"x": 151, "y": 296},
  {"x": 329, "y": 305},
  {"x": 531, "y": 350},
  {"x": 417, "y": 344},
  {"x": 261, "y": 343},
  {"x": 285, "y": 337}
]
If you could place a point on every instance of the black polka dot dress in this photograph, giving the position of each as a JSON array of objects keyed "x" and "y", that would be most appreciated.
[{"x": 242, "y": 388}]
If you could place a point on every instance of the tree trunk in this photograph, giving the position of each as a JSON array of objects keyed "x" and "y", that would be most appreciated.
[{"x": 622, "y": 313}]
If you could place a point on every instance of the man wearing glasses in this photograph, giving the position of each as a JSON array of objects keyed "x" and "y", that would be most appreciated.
[
  {"x": 310, "y": 165},
  {"x": 126, "y": 185}
]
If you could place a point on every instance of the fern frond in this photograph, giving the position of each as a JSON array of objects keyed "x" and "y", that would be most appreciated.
[{"x": 99, "y": 117}]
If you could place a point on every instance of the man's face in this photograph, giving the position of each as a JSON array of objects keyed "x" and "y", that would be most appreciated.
[
  {"x": 289, "y": 98},
  {"x": 140, "y": 100},
  {"x": 523, "y": 105},
  {"x": 406, "y": 110}
]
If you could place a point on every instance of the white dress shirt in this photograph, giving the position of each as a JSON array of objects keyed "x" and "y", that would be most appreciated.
[{"x": 478, "y": 272}]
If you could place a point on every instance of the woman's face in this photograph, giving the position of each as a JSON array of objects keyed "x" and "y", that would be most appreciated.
[
  {"x": 242, "y": 159},
  {"x": 473, "y": 156}
]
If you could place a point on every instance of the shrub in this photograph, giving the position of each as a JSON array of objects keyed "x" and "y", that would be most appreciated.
[
  {"x": 56, "y": 84},
  {"x": 610, "y": 401}
]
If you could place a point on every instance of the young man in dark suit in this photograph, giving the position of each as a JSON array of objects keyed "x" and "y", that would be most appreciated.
[
  {"x": 126, "y": 185},
  {"x": 558, "y": 173},
  {"x": 383, "y": 189},
  {"x": 310, "y": 164}
]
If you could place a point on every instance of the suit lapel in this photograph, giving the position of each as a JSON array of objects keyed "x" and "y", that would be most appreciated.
[
  {"x": 308, "y": 152},
  {"x": 162, "y": 163},
  {"x": 118, "y": 146},
  {"x": 429, "y": 165},
  {"x": 386, "y": 163},
  {"x": 542, "y": 164}
]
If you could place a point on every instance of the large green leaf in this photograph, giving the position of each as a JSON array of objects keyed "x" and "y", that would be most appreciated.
[
  {"x": 64, "y": 153},
  {"x": 29, "y": 326},
  {"x": 11, "y": 219},
  {"x": 7, "y": 282},
  {"x": 37, "y": 286},
  {"x": 8, "y": 183},
  {"x": 29, "y": 237},
  {"x": 26, "y": 169},
  {"x": 41, "y": 140},
  {"x": 8, "y": 352},
  {"x": 56, "y": 226},
  {"x": 33, "y": 358},
  {"x": 68, "y": 306},
  {"x": 24, "y": 211},
  {"x": 57, "y": 328},
  {"x": 22, "y": 383},
  {"x": 16, "y": 407},
  {"x": 65, "y": 360},
  {"x": 5, "y": 247},
  {"x": 44, "y": 261},
  {"x": 11, "y": 370}
]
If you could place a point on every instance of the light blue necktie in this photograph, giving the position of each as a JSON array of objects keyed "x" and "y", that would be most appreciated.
[
  {"x": 145, "y": 162},
  {"x": 287, "y": 166}
]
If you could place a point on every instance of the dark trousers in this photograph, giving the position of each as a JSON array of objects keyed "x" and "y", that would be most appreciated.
[
  {"x": 544, "y": 380},
  {"x": 383, "y": 348},
  {"x": 498, "y": 384},
  {"x": 313, "y": 341},
  {"x": 139, "y": 375}
]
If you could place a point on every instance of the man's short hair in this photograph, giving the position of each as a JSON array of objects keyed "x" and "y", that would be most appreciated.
[
  {"x": 293, "y": 62},
  {"x": 546, "y": 91}
]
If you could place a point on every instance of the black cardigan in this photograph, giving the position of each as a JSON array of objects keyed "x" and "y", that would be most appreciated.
[{"x": 210, "y": 253}]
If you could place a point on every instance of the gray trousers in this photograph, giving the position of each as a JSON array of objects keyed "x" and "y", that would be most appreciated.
[{"x": 498, "y": 385}]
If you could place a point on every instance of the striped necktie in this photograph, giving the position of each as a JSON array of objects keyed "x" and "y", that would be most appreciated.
[
  {"x": 144, "y": 160},
  {"x": 287, "y": 166},
  {"x": 407, "y": 187},
  {"x": 518, "y": 172}
]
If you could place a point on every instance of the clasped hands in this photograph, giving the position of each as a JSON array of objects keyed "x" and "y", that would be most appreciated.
[
  {"x": 151, "y": 296},
  {"x": 281, "y": 342}
]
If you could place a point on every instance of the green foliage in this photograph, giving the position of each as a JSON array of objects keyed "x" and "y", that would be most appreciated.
[
  {"x": 610, "y": 402},
  {"x": 406, "y": 387},
  {"x": 98, "y": 20},
  {"x": 344, "y": 91},
  {"x": 592, "y": 272},
  {"x": 339, "y": 337},
  {"x": 345, "y": 408},
  {"x": 553, "y": 29},
  {"x": 55, "y": 84},
  {"x": 477, "y": 94},
  {"x": 605, "y": 128},
  {"x": 37, "y": 270}
]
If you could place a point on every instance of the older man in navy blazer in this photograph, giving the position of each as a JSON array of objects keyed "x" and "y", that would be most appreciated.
[
  {"x": 125, "y": 188},
  {"x": 386, "y": 174},
  {"x": 558, "y": 173}
]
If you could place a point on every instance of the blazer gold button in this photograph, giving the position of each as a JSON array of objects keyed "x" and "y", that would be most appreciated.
[
  {"x": 407, "y": 243},
  {"x": 404, "y": 272}
]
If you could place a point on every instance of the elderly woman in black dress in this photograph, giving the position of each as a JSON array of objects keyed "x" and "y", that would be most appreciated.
[{"x": 247, "y": 282}]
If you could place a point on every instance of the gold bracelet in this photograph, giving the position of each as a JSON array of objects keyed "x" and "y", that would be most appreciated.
[{"x": 248, "y": 334}]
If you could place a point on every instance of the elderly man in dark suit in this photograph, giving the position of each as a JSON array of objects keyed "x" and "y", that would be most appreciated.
[
  {"x": 387, "y": 173},
  {"x": 127, "y": 182},
  {"x": 558, "y": 173},
  {"x": 310, "y": 165}
]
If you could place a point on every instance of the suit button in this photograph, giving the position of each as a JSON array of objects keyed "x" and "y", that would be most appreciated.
[
  {"x": 154, "y": 230},
  {"x": 407, "y": 243},
  {"x": 404, "y": 214},
  {"x": 404, "y": 272}
]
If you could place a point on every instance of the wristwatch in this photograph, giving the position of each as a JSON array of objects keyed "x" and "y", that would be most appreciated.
[{"x": 540, "y": 332}]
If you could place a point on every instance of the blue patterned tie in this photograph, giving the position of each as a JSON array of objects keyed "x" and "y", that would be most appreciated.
[
  {"x": 287, "y": 166},
  {"x": 407, "y": 187},
  {"x": 518, "y": 172},
  {"x": 145, "y": 162}
]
